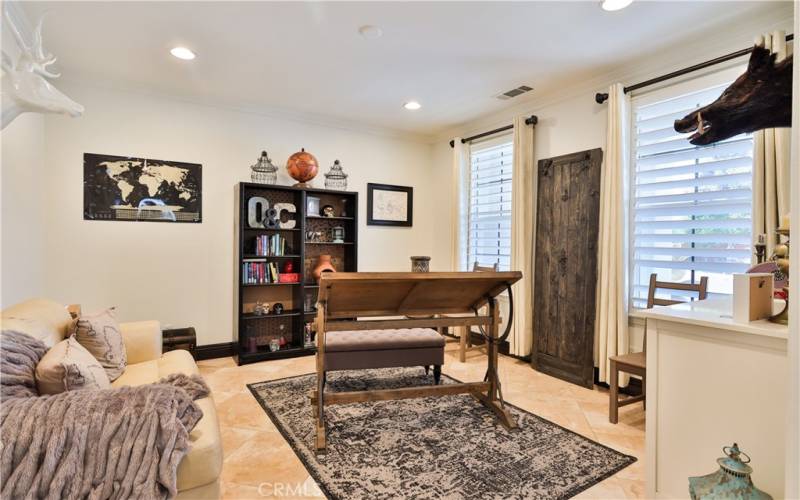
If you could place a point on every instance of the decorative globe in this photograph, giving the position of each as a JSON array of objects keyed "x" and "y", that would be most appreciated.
[{"x": 302, "y": 167}]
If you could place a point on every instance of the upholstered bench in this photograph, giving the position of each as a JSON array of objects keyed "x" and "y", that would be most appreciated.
[{"x": 356, "y": 350}]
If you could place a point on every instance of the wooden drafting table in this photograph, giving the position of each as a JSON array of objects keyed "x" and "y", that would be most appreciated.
[{"x": 413, "y": 300}]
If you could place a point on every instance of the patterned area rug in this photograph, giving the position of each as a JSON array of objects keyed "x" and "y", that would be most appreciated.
[{"x": 439, "y": 447}]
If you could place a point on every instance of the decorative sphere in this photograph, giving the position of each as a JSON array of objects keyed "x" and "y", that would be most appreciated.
[{"x": 302, "y": 166}]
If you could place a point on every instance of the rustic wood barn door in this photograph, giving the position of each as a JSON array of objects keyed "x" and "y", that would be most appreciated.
[{"x": 568, "y": 214}]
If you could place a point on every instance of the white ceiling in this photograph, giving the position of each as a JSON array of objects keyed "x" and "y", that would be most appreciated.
[{"x": 308, "y": 58}]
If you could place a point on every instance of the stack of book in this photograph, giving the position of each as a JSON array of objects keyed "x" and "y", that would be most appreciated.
[
  {"x": 259, "y": 272},
  {"x": 274, "y": 245}
]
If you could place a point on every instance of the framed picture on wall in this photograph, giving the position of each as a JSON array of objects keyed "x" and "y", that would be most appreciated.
[
  {"x": 389, "y": 205},
  {"x": 121, "y": 188}
]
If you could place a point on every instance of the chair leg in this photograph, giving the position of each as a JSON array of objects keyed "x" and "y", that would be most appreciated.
[
  {"x": 462, "y": 344},
  {"x": 613, "y": 401},
  {"x": 437, "y": 374}
]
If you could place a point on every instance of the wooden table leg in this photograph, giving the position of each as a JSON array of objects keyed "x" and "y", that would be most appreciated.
[
  {"x": 493, "y": 399},
  {"x": 320, "y": 393}
]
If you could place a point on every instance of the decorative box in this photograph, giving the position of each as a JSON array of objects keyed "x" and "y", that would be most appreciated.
[
  {"x": 289, "y": 278},
  {"x": 752, "y": 296}
]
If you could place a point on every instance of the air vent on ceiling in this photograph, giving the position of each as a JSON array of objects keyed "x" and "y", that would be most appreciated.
[{"x": 514, "y": 92}]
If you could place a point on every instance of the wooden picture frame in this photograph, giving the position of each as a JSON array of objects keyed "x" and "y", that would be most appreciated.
[{"x": 389, "y": 205}]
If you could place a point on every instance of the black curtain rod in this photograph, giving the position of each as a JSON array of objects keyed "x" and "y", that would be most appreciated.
[
  {"x": 531, "y": 120},
  {"x": 600, "y": 98}
]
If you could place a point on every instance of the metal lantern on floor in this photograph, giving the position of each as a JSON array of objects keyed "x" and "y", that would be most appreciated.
[
  {"x": 263, "y": 171},
  {"x": 335, "y": 178},
  {"x": 731, "y": 481}
]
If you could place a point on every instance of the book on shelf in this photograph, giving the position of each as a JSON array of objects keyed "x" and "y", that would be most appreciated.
[
  {"x": 270, "y": 245},
  {"x": 259, "y": 272}
]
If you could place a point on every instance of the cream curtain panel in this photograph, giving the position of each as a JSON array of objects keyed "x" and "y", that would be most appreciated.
[
  {"x": 523, "y": 207},
  {"x": 611, "y": 322},
  {"x": 459, "y": 205},
  {"x": 771, "y": 148}
]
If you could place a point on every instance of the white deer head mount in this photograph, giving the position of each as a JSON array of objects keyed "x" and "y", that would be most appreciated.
[{"x": 25, "y": 85}]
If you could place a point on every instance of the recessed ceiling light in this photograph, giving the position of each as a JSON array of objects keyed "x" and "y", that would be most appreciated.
[
  {"x": 412, "y": 105},
  {"x": 182, "y": 53},
  {"x": 370, "y": 32},
  {"x": 612, "y": 5}
]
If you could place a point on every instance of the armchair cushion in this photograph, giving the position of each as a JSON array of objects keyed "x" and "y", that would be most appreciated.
[
  {"x": 142, "y": 340},
  {"x": 203, "y": 464},
  {"x": 42, "y": 319}
]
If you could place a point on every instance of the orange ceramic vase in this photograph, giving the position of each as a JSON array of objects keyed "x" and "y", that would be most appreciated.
[{"x": 323, "y": 266}]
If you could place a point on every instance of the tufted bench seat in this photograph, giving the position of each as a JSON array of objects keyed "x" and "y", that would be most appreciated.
[{"x": 355, "y": 350}]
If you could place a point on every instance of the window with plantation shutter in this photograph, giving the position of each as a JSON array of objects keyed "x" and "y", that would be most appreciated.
[
  {"x": 489, "y": 220},
  {"x": 691, "y": 206}
]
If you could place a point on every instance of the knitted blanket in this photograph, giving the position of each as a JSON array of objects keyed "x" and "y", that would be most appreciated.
[{"x": 116, "y": 443}]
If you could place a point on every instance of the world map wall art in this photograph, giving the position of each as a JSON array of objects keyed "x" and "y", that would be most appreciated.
[{"x": 140, "y": 189}]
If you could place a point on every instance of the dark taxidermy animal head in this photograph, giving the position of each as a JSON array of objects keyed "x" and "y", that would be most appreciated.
[{"x": 761, "y": 98}]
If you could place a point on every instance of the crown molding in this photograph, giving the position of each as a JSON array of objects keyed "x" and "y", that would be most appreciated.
[
  {"x": 304, "y": 118},
  {"x": 735, "y": 36}
]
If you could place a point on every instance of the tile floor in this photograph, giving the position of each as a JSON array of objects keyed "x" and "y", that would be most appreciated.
[{"x": 256, "y": 453}]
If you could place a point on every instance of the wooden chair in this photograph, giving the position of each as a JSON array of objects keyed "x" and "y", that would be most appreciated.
[
  {"x": 636, "y": 363},
  {"x": 464, "y": 335}
]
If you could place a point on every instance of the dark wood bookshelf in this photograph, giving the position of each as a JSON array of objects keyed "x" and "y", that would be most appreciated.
[
  {"x": 271, "y": 284},
  {"x": 326, "y": 217},
  {"x": 254, "y": 256},
  {"x": 328, "y": 243},
  {"x": 291, "y": 312},
  {"x": 295, "y": 297}
]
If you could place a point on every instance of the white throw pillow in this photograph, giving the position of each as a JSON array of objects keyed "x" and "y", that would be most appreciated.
[
  {"x": 99, "y": 334},
  {"x": 68, "y": 366}
]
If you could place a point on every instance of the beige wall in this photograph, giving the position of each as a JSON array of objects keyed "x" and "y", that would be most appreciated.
[
  {"x": 182, "y": 274},
  {"x": 23, "y": 198}
]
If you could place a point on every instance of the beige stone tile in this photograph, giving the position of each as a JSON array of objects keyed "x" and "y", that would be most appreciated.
[
  {"x": 205, "y": 371},
  {"x": 605, "y": 490},
  {"x": 629, "y": 444},
  {"x": 631, "y": 417},
  {"x": 633, "y": 488},
  {"x": 234, "y": 437},
  {"x": 219, "y": 396},
  {"x": 217, "y": 363},
  {"x": 235, "y": 379},
  {"x": 243, "y": 411},
  {"x": 234, "y": 491}
]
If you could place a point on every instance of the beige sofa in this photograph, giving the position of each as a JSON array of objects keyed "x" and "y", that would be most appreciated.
[{"x": 199, "y": 471}]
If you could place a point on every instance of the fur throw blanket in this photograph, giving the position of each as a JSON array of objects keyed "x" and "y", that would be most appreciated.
[{"x": 116, "y": 443}]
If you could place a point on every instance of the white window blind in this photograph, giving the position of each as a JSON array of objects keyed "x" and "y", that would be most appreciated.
[
  {"x": 489, "y": 240},
  {"x": 692, "y": 206}
]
